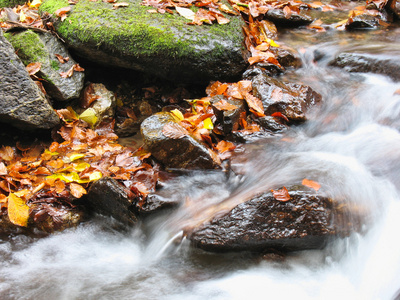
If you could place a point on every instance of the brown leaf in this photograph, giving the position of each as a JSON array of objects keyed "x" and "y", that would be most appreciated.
[
  {"x": 33, "y": 68},
  {"x": 68, "y": 73},
  {"x": 224, "y": 105},
  {"x": 7, "y": 153},
  {"x": 287, "y": 11},
  {"x": 77, "y": 190},
  {"x": 3, "y": 169},
  {"x": 59, "y": 186},
  {"x": 224, "y": 146},
  {"x": 311, "y": 184},
  {"x": 120, "y": 4},
  {"x": 61, "y": 59},
  {"x": 281, "y": 195},
  {"x": 174, "y": 131},
  {"x": 61, "y": 11},
  {"x": 78, "y": 68},
  {"x": 256, "y": 106}
]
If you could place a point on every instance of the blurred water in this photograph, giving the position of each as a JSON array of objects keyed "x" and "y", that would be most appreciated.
[{"x": 350, "y": 145}]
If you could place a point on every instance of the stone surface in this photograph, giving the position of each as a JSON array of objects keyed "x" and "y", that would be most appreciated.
[
  {"x": 108, "y": 197},
  {"x": 278, "y": 17},
  {"x": 182, "y": 152},
  {"x": 229, "y": 119},
  {"x": 306, "y": 221},
  {"x": 11, "y": 3},
  {"x": 292, "y": 100},
  {"x": 163, "y": 45},
  {"x": 368, "y": 63},
  {"x": 369, "y": 20},
  {"x": 41, "y": 47},
  {"x": 23, "y": 104}
]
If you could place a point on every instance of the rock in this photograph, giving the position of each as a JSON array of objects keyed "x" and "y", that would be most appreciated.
[
  {"x": 306, "y": 221},
  {"x": 108, "y": 197},
  {"x": 97, "y": 98},
  {"x": 270, "y": 124},
  {"x": 229, "y": 119},
  {"x": 22, "y": 103},
  {"x": 183, "y": 151},
  {"x": 292, "y": 100},
  {"x": 371, "y": 19},
  {"x": 156, "y": 202},
  {"x": 278, "y": 17},
  {"x": 368, "y": 63},
  {"x": 163, "y": 45},
  {"x": 34, "y": 47},
  {"x": 396, "y": 9}
]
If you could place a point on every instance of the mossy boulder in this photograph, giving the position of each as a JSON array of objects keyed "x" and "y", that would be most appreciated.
[
  {"x": 11, "y": 3},
  {"x": 163, "y": 45},
  {"x": 33, "y": 47}
]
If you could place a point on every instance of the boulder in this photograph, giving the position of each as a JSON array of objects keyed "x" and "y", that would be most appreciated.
[
  {"x": 371, "y": 19},
  {"x": 33, "y": 47},
  {"x": 292, "y": 100},
  {"x": 108, "y": 197},
  {"x": 295, "y": 19},
  {"x": 368, "y": 63},
  {"x": 23, "y": 105},
  {"x": 163, "y": 45},
  {"x": 307, "y": 221},
  {"x": 177, "y": 149}
]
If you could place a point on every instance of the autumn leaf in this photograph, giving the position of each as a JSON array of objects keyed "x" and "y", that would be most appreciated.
[
  {"x": 89, "y": 116},
  {"x": 3, "y": 169},
  {"x": 7, "y": 153},
  {"x": 61, "y": 59},
  {"x": 18, "y": 211},
  {"x": 280, "y": 115},
  {"x": 174, "y": 131},
  {"x": 35, "y": 3},
  {"x": 255, "y": 105},
  {"x": 224, "y": 146},
  {"x": 224, "y": 105},
  {"x": 281, "y": 195},
  {"x": 33, "y": 68},
  {"x": 186, "y": 13},
  {"x": 120, "y": 4},
  {"x": 177, "y": 114},
  {"x": 77, "y": 190},
  {"x": 62, "y": 12},
  {"x": 68, "y": 73},
  {"x": 208, "y": 124},
  {"x": 311, "y": 184}
]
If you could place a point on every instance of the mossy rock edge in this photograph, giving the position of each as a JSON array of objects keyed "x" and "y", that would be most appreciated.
[{"x": 160, "y": 44}]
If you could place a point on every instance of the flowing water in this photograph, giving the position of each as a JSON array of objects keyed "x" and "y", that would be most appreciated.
[{"x": 350, "y": 145}]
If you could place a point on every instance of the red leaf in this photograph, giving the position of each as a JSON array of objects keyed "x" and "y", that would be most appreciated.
[
  {"x": 281, "y": 195},
  {"x": 280, "y": 115}
]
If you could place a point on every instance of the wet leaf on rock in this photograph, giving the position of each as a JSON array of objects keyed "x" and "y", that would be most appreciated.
[
  {"x": 18, "y": 211},
  {"x": 174, "y": 131},
  {"x": 281, "y": 195}
]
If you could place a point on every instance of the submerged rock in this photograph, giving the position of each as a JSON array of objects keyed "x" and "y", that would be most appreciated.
[
  {"x": 108, "y": 197},
  {"x": 35, "y": 47},
  {"x": 306, "y": 221},
  {"x": 163, "y": 45},
  {"x": 177, "y": 149},
  {"x": 292, "y": 100},
  {"x": 22, "y": 104},
  {"x": 368, "y": 63}
]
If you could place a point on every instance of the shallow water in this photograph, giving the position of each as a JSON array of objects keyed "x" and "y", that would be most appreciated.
[{"x": 350, "y": 145}]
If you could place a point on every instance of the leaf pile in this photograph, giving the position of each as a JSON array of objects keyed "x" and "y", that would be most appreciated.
[
  {"x": 51, "y": 179},
  {"x": 25, "y": 16}
]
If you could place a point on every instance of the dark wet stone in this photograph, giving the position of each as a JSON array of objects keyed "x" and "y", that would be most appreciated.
[
  {"x": 157, "y": 202},
  {"x": 369, "y": 63},
  {"x": 22, "y": 104},
  {"x": 108, "y": 197},
  {"x": 184, "y": 152},
  {"x": 270, "y": 124},
  {"x": 369, "y": 21},
  {"x": 278, "y": 17},
  {"x": 292, "y": 100},
  {"x": 229, "y": 119},
  {"x": 306, "y": 221},
  {"x": 33, "y": 47}
]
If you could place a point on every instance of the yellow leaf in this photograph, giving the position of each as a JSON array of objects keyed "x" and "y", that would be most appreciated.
[
  {"x": 176, "y": 113},
  {"x": 89, "y": 116},
  {"x": 22, "y": 193},
  {"x": 18, "y": 211},
  {"x": 51, "y": 153},
  {"x": 75, "y": 156},
  {"x": 35, "y": 3},
  {"x": 95, "y": 176},
  {"x": 66, "y": 177},
  {"x": 186, "y": 13},
  {"x": 81, "y": 166},
  {"x": 22, "y": 16},
  {"x": 208, "y": 124},
  {"x": 272, "y": 43}
]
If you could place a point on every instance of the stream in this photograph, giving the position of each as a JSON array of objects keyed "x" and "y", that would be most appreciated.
[{"x": 350, "y": 145}]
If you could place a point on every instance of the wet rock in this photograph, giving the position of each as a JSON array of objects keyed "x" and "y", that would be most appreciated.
[
  {"x": 96, "y": 97},
  {"x": 108, "y": 197},
  {"x": 292, "y": 100},
  {"x": 157, "y": 202},
  {"x": 368, "y": 63},
  {"x": 181, "y": 151},
  {"x": 229, "y": 119},
  {"x": 22, "y": 104},
  {"x": 287, "y": 57},
  {"x": 372, "y": 19},
  {"x": 396, "y": 9},
  {"x": 34, "y": 47},
  {"x": 278, "y": 17},
  {"x": 306, "y": 221},
  {"x": 270, "y": 124},
  {"x": 163, "y": 45}
]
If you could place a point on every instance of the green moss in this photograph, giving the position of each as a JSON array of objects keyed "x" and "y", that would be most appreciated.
[
  {"x": 11, "y": 3},
  {"x": 55, "y": 65},
  {"x": 134, "y": 31},
  {"x": 28, "y": 46}
]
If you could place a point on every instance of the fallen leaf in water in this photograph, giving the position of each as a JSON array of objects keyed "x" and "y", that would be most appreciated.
[
  {"x": 311, "y": 184},
  {"x": 397, "y": 92},
  {"x": 281, "y": 195},
  {"x": 280, "y": 115},
  {"x": 18, "y": 211},
  {"x": 224, "y": 146}
]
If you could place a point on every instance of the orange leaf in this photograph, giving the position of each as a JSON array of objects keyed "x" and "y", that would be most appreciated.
[
  {"x": 223, "y": 146},
  {"x": 33, "y": 68},
  {"x": 256, "y": 106},
  {"x": 287, "y": 11},
  {"x": 62, "y": 11},
  {"x": 18, "y": 211},
  {"x": 224, "y": 105},
  {"x": 174, "y": 131},
  {"x": 59, "y": 186},
  {"x": 281, "y": 195},
  {"x": 311, "y": 184},
  {"x": 77, "y": 190},
  {"x": 3, "y": 169},
  {"x": 280, "y": 115},
  {"x": 61, "y": 59}
]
